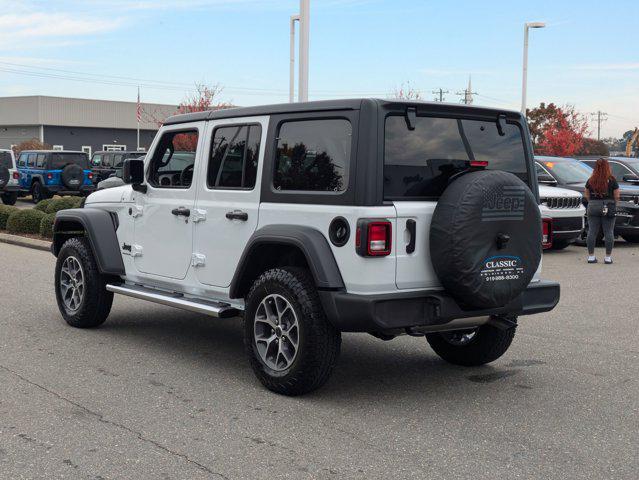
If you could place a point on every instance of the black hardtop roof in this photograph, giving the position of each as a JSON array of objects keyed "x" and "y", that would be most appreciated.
[
  {"x": 53, "y": 151},
  {"x": 319, "y": 106}
]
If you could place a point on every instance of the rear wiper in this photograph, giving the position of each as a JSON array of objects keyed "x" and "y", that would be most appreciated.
[
  {"x": 411, "y": 117},
  {"x": 501, "y": 122}
]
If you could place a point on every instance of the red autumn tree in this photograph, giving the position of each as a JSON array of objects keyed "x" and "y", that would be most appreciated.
[
  {"x": 407, "y": 92},
  {"x": 557, "y": 131}
]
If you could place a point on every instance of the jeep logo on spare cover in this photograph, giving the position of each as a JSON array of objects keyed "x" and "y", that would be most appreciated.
[{"x": 503, "y": 202}]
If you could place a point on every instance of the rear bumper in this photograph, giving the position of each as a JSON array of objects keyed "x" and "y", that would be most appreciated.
[
  {"x": 397, "y": 311},
  {"x": 10, "y": 188}
]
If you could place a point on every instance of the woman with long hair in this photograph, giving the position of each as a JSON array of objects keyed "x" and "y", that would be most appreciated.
[{"x": 602, "y": 193}]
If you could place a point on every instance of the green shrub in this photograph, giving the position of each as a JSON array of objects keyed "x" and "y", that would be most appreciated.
[
  {"x": 46, "y": 225},
  {"x": 63, "y": 204},
  {"x": 5, "y": 213},
  {"x": 43, "y": 204},
  {"x": 25, "y": 221}
]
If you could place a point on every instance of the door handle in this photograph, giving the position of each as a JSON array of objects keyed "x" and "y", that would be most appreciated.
[
  {"x": 237, "y": 215},
  {"x": 411, "y": 227},
  {"x": 181, "y": 212}
]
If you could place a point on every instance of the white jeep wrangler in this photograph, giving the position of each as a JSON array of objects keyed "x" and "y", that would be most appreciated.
[{"x": 311, "y": 219}]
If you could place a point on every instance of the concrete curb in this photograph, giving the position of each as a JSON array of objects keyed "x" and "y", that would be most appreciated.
[{"x": 25, "y": 242}]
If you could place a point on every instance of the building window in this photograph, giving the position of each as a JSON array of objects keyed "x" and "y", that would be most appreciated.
[
  {"x": 87, "y": 149},
  {"x": 113, "y": 148},
  {"x": 58, "y": 147}
]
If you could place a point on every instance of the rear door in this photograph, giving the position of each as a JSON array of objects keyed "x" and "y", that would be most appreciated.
[
  {"x": 228, "y": 200},
  {"x": 418, "y": 165}
]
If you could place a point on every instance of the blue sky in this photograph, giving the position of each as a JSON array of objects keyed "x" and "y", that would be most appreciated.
[{"x": 588, "y": 55}]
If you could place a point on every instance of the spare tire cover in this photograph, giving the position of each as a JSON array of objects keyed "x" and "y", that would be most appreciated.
[
  {"x": 72, "y": 176},
  {"x": 485, "y": 238}
]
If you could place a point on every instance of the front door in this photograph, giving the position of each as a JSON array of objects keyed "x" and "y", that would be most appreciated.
[
  {"x": 229, "y": 196},
  {"x": 163, "y": 227}
]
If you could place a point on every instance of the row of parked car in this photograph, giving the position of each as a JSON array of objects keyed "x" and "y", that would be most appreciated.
[{"x": 43, "y": 174}]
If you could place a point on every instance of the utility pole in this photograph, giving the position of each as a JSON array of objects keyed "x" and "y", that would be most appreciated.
[
  {"x": 467, "y": 94},
  {"x": 524, "y": 77},
  {"x": 305, "y": 27},
  {"x": 601, "y": 117},
  {"x": 439, "y": 92}
]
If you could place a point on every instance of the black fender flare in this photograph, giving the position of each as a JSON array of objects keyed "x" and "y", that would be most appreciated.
[
  {"x": 37, "y": 178},
  {"x": 99, "y": 226},
  {"x": 310, "y": 241}
]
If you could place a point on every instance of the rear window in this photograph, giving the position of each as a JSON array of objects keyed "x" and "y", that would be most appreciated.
[
  {"x": 5, "y": 160},
  {"x": 419, "y": 163},
  {"x": 60, "y": 160}
]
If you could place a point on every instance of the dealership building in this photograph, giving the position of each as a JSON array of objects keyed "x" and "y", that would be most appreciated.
[{"x": 79, "y": 124}]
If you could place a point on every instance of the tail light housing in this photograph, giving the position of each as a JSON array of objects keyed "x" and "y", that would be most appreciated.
[
  {"x": 546, "y": 233},
  {"x": 373, "y": 238},
  {"x": 49, "y": 176},
  {"x": 16, "y": 176},
  {"x": 90, "y": 175}
]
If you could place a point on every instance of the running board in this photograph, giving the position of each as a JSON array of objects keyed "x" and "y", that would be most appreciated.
[{"x": 177, "y": 300}]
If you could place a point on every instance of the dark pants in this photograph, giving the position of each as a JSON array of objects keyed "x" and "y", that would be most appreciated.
[{"x": 608, "y": 226}]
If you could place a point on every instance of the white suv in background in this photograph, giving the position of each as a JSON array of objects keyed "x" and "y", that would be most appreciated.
[
  {"x": 565, "y": 208},
  {"x": 9, "y": 186}
]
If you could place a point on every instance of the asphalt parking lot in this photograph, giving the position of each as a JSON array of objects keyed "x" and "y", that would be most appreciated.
[{"x": 160, "y": 393}]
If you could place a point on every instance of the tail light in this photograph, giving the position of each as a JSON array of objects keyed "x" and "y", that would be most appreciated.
[
  {"x": 374, "y": 238},
  {"x": 90, "y": 175},
  {"x": 546, "y": 233},
  {"x": 479, "y": 163},
  {"x": 49, "y": 176},
  {"x": 16, "y": 176}
]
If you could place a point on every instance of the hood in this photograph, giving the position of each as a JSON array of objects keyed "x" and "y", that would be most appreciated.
[
  {"x": 546, "y": 191},
  {"x": 123, "y": 194}
]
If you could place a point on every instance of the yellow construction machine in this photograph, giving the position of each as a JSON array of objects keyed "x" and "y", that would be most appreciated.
[{"x": 634, "y": 140}]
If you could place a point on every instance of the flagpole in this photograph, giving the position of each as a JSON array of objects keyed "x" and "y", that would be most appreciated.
[{"x": 138, "y": 116}]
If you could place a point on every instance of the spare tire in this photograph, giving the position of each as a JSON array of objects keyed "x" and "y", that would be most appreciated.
[
  {"x": 72, "y": 176},
  {"x": 4, "y": 175},
  {"x": 485, "y": 238}
]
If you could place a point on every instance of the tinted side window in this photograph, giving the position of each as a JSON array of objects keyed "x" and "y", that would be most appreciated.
[
  {"x": 40, "y": 160},
  {"x": 96, "y": 161},
  {"x": 619, "y": 171},
  {"x": 118, "y": 158},
  {"x": 31, "y": 160},
  {"x": 313, "y": 155},
  {"x": 234, "y": 157},
  {"x": 173, "y": 159},
  {"x": 22, "y": 160}
]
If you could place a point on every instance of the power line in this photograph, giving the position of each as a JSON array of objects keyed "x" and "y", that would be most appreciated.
[{"x": 439, "y": 92}]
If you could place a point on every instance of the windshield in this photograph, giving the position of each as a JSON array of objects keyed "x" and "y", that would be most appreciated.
[
  {"x": 419, "y": 163},
  {"x": 60, "y": 160},
  {"x": 568, "y": 171}
]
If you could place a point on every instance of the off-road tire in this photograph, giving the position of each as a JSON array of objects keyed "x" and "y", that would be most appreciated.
[
  {"x": 319, "y": 342},
  {"x": 560, "y": 244},
  {"x": 488, "y": 345},
  {"x": 96, "y": 302},
  {"x": 631, "y": 238},
  {"x": 38, "y": 193},
  {"x": 9, "y": 198}
]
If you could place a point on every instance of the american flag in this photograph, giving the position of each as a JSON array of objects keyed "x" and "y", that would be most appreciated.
[{"x": 139, "y": 107}]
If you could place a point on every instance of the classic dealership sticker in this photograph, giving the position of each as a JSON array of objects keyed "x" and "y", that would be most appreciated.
[{"x": 499, "y": 268}]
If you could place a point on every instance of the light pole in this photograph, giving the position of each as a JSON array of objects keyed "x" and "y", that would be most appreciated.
[
  {"x": 524, "y": 83},
  {"x": 291, "y": 90},
  {"x": 305, "y": 27}
]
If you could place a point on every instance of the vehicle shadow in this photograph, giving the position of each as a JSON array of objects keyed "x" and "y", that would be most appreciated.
[{"x": 368, "y": 369}]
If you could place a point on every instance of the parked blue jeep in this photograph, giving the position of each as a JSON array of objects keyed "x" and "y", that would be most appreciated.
[{"x": 44, "y": 173}]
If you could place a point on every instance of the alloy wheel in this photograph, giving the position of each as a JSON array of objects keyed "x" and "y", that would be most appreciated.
[
  {"x": 276, "y": 332},
  {"x": 72, "y": 284}
]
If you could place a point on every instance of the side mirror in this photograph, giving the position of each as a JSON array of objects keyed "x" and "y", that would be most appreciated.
[
  {"x": 546, "y": 179},
  {"x": 133, "y": 174},
  {"x": 631, "y": 178}
]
